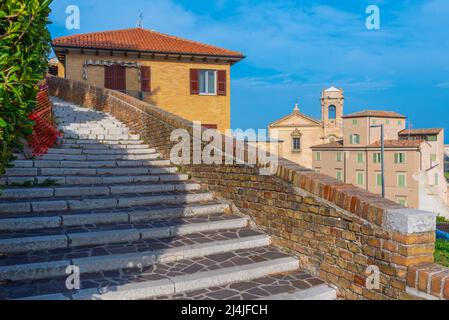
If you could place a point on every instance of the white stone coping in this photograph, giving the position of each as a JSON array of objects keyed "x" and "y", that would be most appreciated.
[{"x": 408, "y": 221}]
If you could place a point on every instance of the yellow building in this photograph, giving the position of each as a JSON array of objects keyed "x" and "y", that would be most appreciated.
[
  {"x": 297, "y": 132},
  {"x": 184, "y": 77}
]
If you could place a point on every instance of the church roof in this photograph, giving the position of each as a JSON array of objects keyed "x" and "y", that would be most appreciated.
[
  {"x": 296, "y": 112},
  {"x": 332, "y": 89},
  {"x": 375, "y": 113}
]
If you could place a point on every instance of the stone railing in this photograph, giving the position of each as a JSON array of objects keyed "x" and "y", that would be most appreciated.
[{"x": 339, "y": 232}]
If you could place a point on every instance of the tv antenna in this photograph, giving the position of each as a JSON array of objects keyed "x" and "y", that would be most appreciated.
[{"x": 139, "y": 20}]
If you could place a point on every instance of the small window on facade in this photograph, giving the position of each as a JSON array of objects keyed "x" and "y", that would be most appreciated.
[
  {"x": 354, "y": 121},
  {"x": 332, "y": 112},
  {"x": 432, "y": 138},
  {"x": 355, "y": 139},
  {"x": 399, "y": 122},
  {"x": 373, "y": 122},
  {"x": 296, "y": 144},
  {"x": 318, "y": 156},
  {"x": 433, "y": 157},
  {"x": 402, "y": 201},
  {"x": 360, "y": 157},
  {"x": 387, "y": 121},
  {"x": 402, "y": 180},
  {"x": 379, "y": 179},
  {"x": 208, "y": 83},
  {"x": 339, "y": 174},
  {"x": 339, "y": 156},
  {"x": 377, "y": 157},
  {"x": 360, "y": 178},
  {"x": 436, "y": 179},
  {"x": 399, "y": 158}
]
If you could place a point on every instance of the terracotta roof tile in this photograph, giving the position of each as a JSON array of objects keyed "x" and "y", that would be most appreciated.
[
  {"x": 335, "y": 144},
  {"x": 412, "y": 132},
  {"x": 375, "y": 113},
  {"x": 397, "y": 143},
  {"x": 141, "y": 40}
]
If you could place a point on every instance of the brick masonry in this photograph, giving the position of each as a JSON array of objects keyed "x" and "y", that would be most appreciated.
[{"x": 336, "y": 230}]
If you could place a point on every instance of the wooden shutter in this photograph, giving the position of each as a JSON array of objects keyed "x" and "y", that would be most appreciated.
[
  {"x": 145, "y": 79},
  {"x": 120, "y": 79},
  {"x": 221, "y": 82},
  {"x": 109, "y": 79},
  {"x": 194, "y": 81}
]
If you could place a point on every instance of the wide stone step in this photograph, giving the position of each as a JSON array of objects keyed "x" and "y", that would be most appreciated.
[
  {"x": 141, "y": 259},
  {"x": 106, "y": 216},
  {"x": 11, "y": 244},
  {"x": 100, "y": 137},
  {"x": 95, "y": 131},
  {"x": 66, "y": 140},
  {"x": 80, "y": 151},
  {"x": 31, "y": 165},
  {"x": 92, "y": 203},
  {"x": 95, "y": 190},
  {"x": 99, "y": 146},
  {"x": 90, "y": 179},
  {"x": 162, "y": 279},
  {"x": 101, "y": 157}
]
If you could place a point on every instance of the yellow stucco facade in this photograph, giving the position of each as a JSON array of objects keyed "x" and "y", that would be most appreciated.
[{"x": 170, "y": 84}]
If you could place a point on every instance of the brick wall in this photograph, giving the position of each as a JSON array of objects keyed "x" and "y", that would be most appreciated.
[{"x": 336, "y": 230}]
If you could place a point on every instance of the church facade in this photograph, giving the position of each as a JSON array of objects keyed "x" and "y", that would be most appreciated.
[{"x": 298, "y": 132}]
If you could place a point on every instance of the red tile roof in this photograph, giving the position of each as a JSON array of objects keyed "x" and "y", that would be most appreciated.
[
  {"x": 141, "y": 40},
  {"x": 397, "y": 144},
  {"x": 335, "y": 144},
  {"x": 375, "y": 113},
  {"x": 414, "y": 132}
]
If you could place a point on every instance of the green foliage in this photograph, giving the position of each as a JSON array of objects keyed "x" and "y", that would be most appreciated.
[
  {"x": 442, "y": 252},
  {"x": 24, "y": 49},
  {"x": 441, "y": 219}
]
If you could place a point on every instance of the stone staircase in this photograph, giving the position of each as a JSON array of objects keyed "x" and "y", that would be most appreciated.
[{"x": 131, "y": 224}]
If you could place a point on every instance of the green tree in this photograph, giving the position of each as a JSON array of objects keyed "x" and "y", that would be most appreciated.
[{"x": 24, "y": 49}]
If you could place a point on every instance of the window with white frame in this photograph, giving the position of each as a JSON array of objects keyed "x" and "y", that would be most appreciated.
[
  {"x": 377, "y": 157},
  {"x": 354, "y": 139},
  {"x": 208, "y": 82},
  {"x": 399, "y": 157},
  {"x": 296, "y": 143}
]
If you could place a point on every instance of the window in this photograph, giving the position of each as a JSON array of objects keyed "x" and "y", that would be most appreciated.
[
  {"x": 354, "y": 139},
  {"x": 145, "y": 79},
  {"x": 378, "y": 179},
  {"x": 339, "y": 174},
  {"x": 432, "y": 138},
  {"x": 208, "y": 83},
  {"x": 402, "y": 180},
  {"x": 318, "y": 156},
  {"x": 339, "y": 156},
  {"x": 373, "y": 122},
  {"x": 354, "y": 121},
  {"x": 402, "y": 201},
  {"x": 436, "y": 179},
  {"x": 399, "y": 158},
  {"x": 377, "y": 157},
  {"x": 332, "y": 112},
  {"x": 399, "y": 122},
  {"x": 360, "y": 157},
  {"x": 433, "y": 157},
  {"x": 361, "y": 178},
  {"x": 387, "y": 121},
  {"x": 296, "y": 144}
]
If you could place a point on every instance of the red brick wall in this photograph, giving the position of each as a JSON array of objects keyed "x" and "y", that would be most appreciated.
[{"x": 336, "y": 230}]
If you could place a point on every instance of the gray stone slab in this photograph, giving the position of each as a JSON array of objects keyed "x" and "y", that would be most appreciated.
[
  {"x": 103, "y": 237},
  {"x": 18, "y": 245},
  {"x": 99, "y": 218},
  {"x": 34, "y": 271},
  {"x": 32, "y": 223},
  {"x": 47, "y": 206}
]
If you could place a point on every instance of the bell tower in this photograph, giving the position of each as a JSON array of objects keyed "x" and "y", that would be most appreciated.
[{"x": 332, "y": 103}]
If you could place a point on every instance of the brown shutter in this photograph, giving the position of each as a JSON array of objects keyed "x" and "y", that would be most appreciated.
[
  {"x": 221, "y": 82},
  {"x": 194, "y": 81},
  {"x": 120, "y": 78},
  {"x": 109, "y": 82},
  {"x": 145, "y": 76}
]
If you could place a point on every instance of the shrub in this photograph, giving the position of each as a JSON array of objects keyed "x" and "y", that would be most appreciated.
[{"x": 24, "y": 49}]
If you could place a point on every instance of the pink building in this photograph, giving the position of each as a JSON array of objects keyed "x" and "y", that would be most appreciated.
[{"x": 414, "y": 159}]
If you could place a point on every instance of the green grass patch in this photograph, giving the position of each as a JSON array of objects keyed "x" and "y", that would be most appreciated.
[{"x": 442, "y": 252}]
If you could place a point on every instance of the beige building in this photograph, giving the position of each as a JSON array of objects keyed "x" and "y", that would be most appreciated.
[
  {"x": 184, "y": 77},
  {"x": 414, "y": 159},
  {"x": 297, "y": 132}
]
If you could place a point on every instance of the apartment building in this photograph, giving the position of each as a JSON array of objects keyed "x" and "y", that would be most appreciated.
[{"x": 413, "y": 159}]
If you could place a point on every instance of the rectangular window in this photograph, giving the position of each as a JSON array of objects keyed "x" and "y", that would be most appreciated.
[
  {"x": 354, "y": 121},
  {"x": 377, "y": 157},
  {"x": 318, "y": 156},
  {"x": 360, "y": 157},
  {"x": 339, "y": 156},
  {"x": 355, "y": 139},
  {"x": 387, "y": 121},
  {"x": 378, "y": 179},
  {"x": 339, "y": 174},
  {"x": 145, "y": 79},
  {"x": 402, "y": 201},
  {"x": 399, "y": 158},
  {"x": 432, "y": 138},
  {"x": 433, "y": 157},
  {"x": 399, "y": 122},
  {"x": 402, "y": 180},
  {"x": 207, "y": 82},
  {"x": 436, "y": 179},
  {"x": 296, "y": 144},
  {"x": 360, "y": 178}
]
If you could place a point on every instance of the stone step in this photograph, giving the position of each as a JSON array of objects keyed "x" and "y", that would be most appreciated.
[
  {"x": 101, "y": 157},
  {"x": 94, "y": 190},
  {"x": 94, "y": 131},
  {"x": 99, "y": 146},
  {"x": 101, "y": 236},
  {"x": 101, "y": 137},
  {"x": 31, "y": 165},
  {"x": 66, "y": 140},
  {"x": 321, "y": 292},
  {"x": 100, "y": 217},
  {"x": 90, "y": 179},
  {"x": 92, "y": 203},
  {"x": 141, "y": 259},
  {"x": 106, "y": 151}
]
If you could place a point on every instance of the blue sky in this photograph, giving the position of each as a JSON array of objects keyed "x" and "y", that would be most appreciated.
[{"x": 296, "y": 48}]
